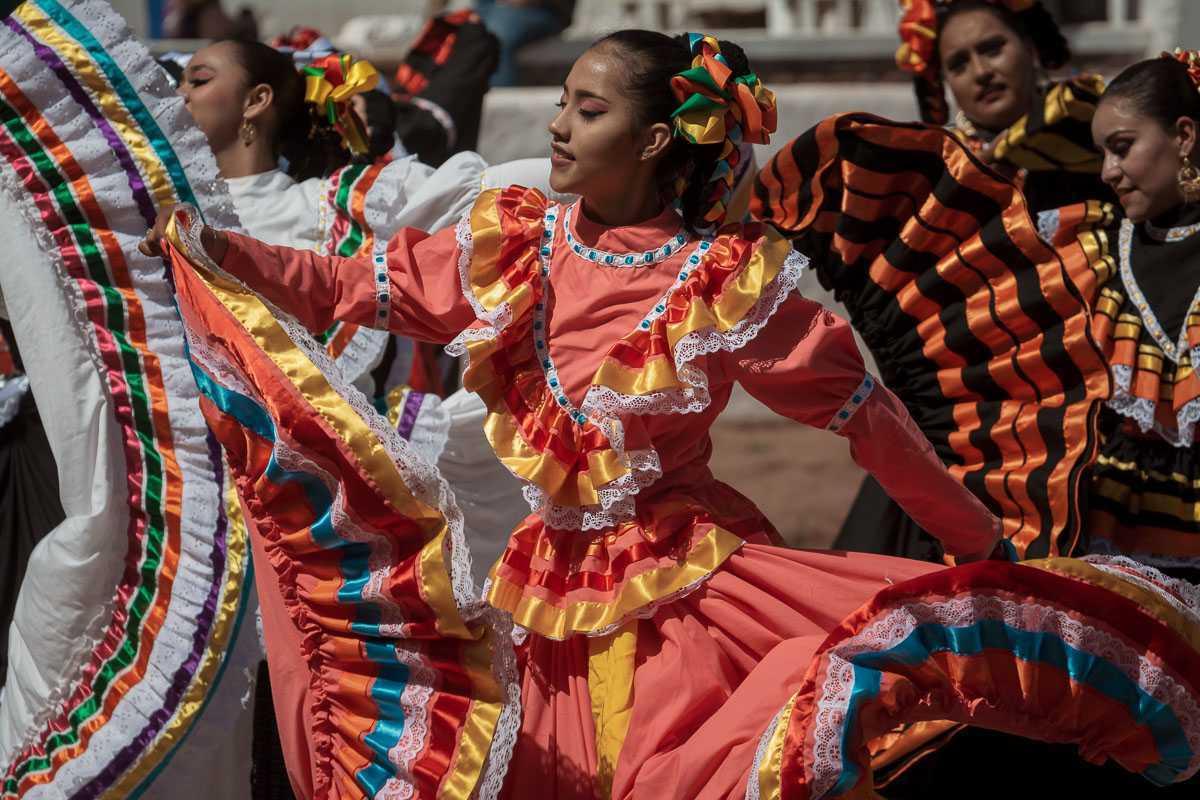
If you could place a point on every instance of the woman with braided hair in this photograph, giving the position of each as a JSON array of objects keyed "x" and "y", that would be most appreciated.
[{"x": 646, "y": 634}]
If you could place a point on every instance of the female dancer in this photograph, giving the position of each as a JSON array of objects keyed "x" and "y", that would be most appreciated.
[
  {"x": 1145, "y": 482},
  {"x": 989, "y": 53},
  {"x": 836, "y": 190},
  {"x": 660, "y": 627},
  {"x": 249, "y": 100}
]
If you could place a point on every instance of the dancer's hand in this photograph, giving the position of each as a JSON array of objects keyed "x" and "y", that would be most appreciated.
[
  {"x": 151, "y": 244},
  {"x": 213, "y": 241},
  {"x": 996, "y": 551}
]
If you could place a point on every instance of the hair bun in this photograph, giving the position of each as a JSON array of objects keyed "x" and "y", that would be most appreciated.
[{"x": 721, "y": 103}]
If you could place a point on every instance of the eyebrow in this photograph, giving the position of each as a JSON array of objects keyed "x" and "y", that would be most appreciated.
[{"x": 585, "y": 93}]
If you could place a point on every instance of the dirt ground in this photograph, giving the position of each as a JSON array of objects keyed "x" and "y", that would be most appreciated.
[{"x": 802, "y": 478}]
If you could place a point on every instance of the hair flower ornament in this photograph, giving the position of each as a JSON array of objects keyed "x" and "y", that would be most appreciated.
[
  {"x": 330, "y": 82},
  {"x": 718, "y": 107},
  {"x": 1190, "y": 59}
]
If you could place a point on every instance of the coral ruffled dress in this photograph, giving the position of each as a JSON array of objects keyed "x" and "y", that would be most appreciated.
[
  {"x": 664, "y": 646},
  {"x": 651, "y": 596}
]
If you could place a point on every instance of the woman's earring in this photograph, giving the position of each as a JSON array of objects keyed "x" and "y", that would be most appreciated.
[
  {"x": 248, "y": 132},
  {"x": 1189, "y": 181}
]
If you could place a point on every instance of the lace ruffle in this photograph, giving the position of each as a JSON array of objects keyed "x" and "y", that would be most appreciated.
[
  {"x": 427, "y": 485},
  {"x": 1142, "y": 409},
  {"x": 898, "y": 624}
]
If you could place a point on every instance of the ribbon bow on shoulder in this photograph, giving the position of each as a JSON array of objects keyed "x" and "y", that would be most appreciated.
[{"x": 330, "y": 82}]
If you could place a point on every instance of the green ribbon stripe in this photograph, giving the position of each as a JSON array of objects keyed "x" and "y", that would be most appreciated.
[{"x": 115, "y": 320}]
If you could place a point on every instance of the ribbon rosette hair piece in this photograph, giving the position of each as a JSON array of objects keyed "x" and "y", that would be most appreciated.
[
  {"x": 1191, "y": 60},
  {"x": 330, "y": 82},
  {"x": 917, "y": 53},
  {"x": 718, "y": 107}
]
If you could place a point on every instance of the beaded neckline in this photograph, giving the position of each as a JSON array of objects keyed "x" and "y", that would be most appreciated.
[
  {"x": 1176, "y": 234},
  {"x": 1173, "y": 350},
  {"x": 540, "y": 331},
  {"x": 623, "y": 260}
]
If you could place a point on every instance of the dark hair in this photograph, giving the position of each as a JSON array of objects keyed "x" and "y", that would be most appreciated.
[
  {"x": 310, "y": 146},
  {"x": 1159, "y": 88},
  {"x": 652, "y": 59},
  {"x": 1035, "y": 25}
]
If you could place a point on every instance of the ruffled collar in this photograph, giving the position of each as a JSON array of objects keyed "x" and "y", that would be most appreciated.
[{"x": 584, "y": 466}]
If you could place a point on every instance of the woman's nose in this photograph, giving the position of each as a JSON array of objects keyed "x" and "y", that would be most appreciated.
[
  {"x": 557, "y": 126},
  {"x": 1110, "y": 171}
]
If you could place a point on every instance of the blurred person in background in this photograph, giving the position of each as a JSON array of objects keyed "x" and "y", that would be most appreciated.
[
  {"x": 206, "y": 19},
  {"x": 517, "y": 23},
  {"x": 992, "y": 56}
]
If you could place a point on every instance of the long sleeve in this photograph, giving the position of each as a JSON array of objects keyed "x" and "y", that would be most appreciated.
[
  {"x": 411, "y": 288},
  {"x": 804, "y": 365}
]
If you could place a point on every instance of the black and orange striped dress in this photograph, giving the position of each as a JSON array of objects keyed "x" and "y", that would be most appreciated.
[
  {"x": 985, "y": 331},
  {"x": 975, "y": 321},
  {"x": 1050, "y": 156}
]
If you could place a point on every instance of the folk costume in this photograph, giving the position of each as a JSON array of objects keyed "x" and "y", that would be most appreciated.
[
  {"x": 1048, "y": 154},
  {"x": 642, "y": 634}
]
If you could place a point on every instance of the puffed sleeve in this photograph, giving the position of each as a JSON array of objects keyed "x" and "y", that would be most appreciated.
[
  {"x": 411, "y": 288},
  {"x": 805, "y": 365}
]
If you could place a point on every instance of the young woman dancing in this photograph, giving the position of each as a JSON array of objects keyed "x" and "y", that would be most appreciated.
[{"x": 660, "y": 628}]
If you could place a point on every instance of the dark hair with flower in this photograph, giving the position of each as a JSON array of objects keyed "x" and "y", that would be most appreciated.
[
  {"x": 717, "y": 106},
  {"x": 329, "y": 83},
  {"x": 921, "y": 22},
  {"x": 1162, "y": 89}
]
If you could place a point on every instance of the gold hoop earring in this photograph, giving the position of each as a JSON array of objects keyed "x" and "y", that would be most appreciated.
[
  {"x": 1189, "y": 181},
  {"x": 248, "y": 132}
]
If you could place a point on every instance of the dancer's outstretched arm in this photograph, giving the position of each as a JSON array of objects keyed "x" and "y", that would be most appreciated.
[
  {"x": 411, "y": 287},
  {"x": 805, "y": 365}
]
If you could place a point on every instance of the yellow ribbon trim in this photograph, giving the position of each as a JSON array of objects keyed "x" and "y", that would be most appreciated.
[
  {"x": 196, "y": 695},
  {"x": 103, "y": 96},
  {"x": 770, "y": 786},
  {"x": 610, "y": 685},
  {"x": 1149, "y": 601},
  {"x": 559, "y": 622},
  {"x": 475, "y": 740}
]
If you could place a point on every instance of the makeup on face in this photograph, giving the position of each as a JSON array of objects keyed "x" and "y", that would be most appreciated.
[{"x": 988, "y": 68}]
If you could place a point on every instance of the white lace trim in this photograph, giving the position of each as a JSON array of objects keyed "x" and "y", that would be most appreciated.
[
  {"x": 1184, "y": 597},
  {"x": 1142, "y": 409},
  {"x": 508, "y": 725},
  {"x": 896, "y": 624},
  {"x": 603, "y": 406},
  {"x": 494, "y": 321},
  {"x": 1104, "y": 547},
  {"x": 1172, "y": 350},
  {"x": 11, "y": 391},
  {"x": 753, "y": 789}
]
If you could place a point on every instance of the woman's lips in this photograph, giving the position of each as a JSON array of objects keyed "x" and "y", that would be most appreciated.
[{"x": 991, "y": 94}]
